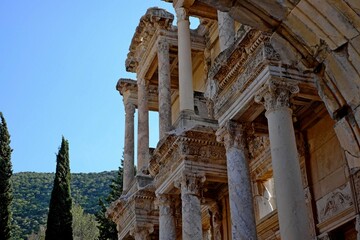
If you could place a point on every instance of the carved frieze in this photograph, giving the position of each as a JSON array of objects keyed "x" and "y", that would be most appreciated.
[{"x": 334, "y": 202}]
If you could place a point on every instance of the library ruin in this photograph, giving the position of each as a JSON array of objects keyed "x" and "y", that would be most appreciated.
[{"x": 259, "y": 121}]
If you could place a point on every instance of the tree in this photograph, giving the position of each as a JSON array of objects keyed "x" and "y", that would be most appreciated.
[
  {"x": 107, "y": 228},
  {"x": 84, "y": 224},
  {"x": 5, "y": 181},
  {"x": 59, "y": 222}
]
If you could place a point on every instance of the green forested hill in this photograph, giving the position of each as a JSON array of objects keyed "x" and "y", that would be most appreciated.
[{"x": 32, "y": 195}]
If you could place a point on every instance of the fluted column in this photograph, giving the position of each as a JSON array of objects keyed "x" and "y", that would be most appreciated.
[
  {"x": 164, "y": 87},
  {"x": 186, "y": 91},
  {"x": 290, "y": 197},
  {"x": 226, "y": 27},
  {"x": 190, "y": 185},
  {"x": 142, "y": 232},
  {"x": 128, "y": 146},
  {"x": 239, "y": 183},
  {"x": 143, "y": 126},
  {"x": 167, "y": 228}
]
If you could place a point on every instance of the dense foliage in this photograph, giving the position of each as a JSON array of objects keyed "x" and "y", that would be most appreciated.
[
  {"x": 32, "y": 196},
  {"x": 84, "y": 226},
  {"x": 107, "y": 228},
  {"x": 5, "y": 181},
  {"x": 59, "y": 222}
]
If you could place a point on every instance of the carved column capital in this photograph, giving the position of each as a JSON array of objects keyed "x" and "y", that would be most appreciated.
[
  {"x": 232, "y": 134},
  {"x": 181, "y": 14},
  {"x": 190, "y": 183},
  {"x": 162, "y": 45},
  {"x": 165, "y": 201},
  {"x": 276, "y": 94},
  {"x": 142, "y": 232}
]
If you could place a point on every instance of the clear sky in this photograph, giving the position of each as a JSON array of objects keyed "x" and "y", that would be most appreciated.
[{"x": 59, "y": 64}]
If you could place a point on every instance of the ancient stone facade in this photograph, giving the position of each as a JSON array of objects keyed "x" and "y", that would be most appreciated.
[{"x": 259, "y": 122}]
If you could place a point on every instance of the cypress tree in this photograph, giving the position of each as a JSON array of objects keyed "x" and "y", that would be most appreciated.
[
  {"x": 5, "y": 181},
  {"x": 59, "y": 223},
  {"x": 107, "y": 228}
]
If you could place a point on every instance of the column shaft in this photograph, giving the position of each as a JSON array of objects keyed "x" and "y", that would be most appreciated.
[
  {"x": 226, "y": 30},
  {"x": 191, "y": 217},
  {"x": 243, "y": 224},
  {"x": 190, "y": 185},
  {"x": 167, "y": 229},
  {"x": 143, "y": 126},
  {"x": 129, "y": 146},
  {"x": 186, "y": 91},
  {"x": 289, "y": 189},
  {"x": 290, "y": 196},
  {"x": 164, "y": 88}
]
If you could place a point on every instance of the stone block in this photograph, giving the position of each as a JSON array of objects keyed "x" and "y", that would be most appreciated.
[{"x": 348, "y": 142}]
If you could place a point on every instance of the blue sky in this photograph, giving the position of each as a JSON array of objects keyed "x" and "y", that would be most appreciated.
[{"x": 59, "y": 64}]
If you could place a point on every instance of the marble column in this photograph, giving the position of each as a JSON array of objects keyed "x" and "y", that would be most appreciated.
[
  {"x": 143, "y": 126},
  {"x": 167, "y": 228},
  {"x": 226, "y": 25},
  {"x": 164, "y": 87},
  {"x": 128, "y": 146},
  {"x": 240, "y": 195},
  {"x": 190, "y": 185},
  {"x": 142, "y": 232},
  {"x": 290, "y": 197},
  {"x": 186, "y": 91}
]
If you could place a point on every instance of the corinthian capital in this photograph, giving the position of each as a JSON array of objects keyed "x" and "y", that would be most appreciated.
[
  {"x": 232, "y": 134},
  {"x": 276, "y": 94},
  {"x": 163, "y": 45},
  {"x": 190, "y": 183},
  {"x": 181, "y": 14},
  {"x": 142, "y": 232}
]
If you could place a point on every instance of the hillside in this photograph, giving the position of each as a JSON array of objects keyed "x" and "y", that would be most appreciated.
[{"x": 32, "y": 195}]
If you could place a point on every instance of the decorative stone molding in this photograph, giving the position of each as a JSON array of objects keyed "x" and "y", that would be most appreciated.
[
  {"x": 154, "y": 18},
  {"x": 276, "y": 93},
  {"x": 191, "y": 183},
  {"x": 258, "y": 145},
  {"x": 334, "y": 202},
  {"x": 323, "y": 236},
  {"x": 232, "y": 134}
]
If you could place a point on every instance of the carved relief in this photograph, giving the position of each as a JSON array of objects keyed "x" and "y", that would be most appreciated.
[
  {"x": 257, "y": 146},
  {"x": 356, "y": 179},
  {"x": 334, "y": 202}
]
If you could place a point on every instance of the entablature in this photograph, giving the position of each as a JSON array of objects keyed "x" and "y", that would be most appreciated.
[
  {"x": 135, "y": 210},
  {"x": 129, "y": 90},
  {"x": 241, "y": 70}
]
